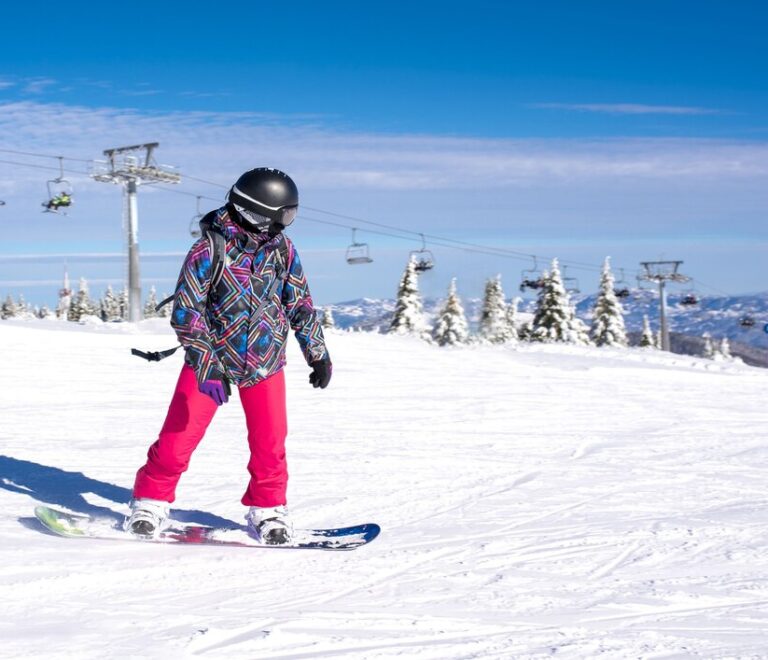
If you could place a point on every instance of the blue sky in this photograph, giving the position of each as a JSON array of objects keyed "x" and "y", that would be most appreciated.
[{"x": 562, "y": 129}]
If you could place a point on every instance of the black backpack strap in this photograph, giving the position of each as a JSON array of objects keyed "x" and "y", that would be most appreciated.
[
  {"x": 154, "y": 356},
  {"x": 218, "y": 245}
]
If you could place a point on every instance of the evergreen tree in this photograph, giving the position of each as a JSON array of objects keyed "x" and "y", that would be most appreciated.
[
  {"x": 81, "y": 304},
  {"x": 608, "y": 316},
  {"x": 494, "y": 325},
  {"x": 328, "y": 321},
  {"x": 23, "y": 310},
  {"x": 709, "y": 348},
  {"x": 110, "y": 306},
  {"x": 408, "y": 318},
  {"x": 451, "y": 327},
  {"x": 525, "y": 333},
  {"x": 8, "y": 309},
  {"x": 122, "y": 304},
  {"x": 724, "y": 349},
  {"x": 149, "y": 306},
  {"x": 555, "y": 319},
  {"x": 513, "y": 324},
  {"x": 647, "y": 339},
  {"x": 44, "y": 312}
]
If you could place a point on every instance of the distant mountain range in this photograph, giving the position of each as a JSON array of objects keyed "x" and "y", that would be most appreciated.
[{"x": 720, "y": 316}]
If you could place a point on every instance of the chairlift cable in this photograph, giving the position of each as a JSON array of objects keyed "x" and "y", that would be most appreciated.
[{"x": 434, "y": 239}]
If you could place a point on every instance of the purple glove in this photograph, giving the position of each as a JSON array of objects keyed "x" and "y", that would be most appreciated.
[{"x": 219, "y": 391}]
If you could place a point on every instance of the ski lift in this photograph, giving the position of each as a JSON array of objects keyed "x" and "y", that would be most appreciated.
[
  {"x": 571, "y": 284},
  {"x": 59, "y": 192},
  {"x": 690, "y": 299},
  {"x": 747, "y": 321},
  {"x": 358, "y": 253},
  {"x": 194, "y": 224},
  {"x": 620, "y": 287},
  {"x": 531, "y": 278},
  {"x": 423, "y": 258}
]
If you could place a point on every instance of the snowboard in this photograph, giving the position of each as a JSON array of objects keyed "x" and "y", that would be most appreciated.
[{"x": 90, "y": 527}]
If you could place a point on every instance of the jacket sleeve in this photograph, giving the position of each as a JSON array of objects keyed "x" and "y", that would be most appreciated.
[
  {"x": 298, "y": 306},
  {"x": 188, "y": 318}
]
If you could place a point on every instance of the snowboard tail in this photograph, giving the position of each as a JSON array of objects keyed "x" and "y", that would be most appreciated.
[{"x": 77, "y": 526}]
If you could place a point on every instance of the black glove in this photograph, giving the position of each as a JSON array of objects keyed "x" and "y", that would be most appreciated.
[{"x": 321, "y": 373}]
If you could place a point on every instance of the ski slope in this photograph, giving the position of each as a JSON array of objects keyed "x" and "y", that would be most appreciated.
[{"x": 534, "y": 500}]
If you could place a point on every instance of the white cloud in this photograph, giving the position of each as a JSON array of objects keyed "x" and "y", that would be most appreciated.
[
  {"x": 629, "y": 108},
  {"x": 218, "y": 146},
  {"x": 38, "y": 85}
]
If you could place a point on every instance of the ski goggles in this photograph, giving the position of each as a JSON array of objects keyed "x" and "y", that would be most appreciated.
[{"x": 284, "y": 216}]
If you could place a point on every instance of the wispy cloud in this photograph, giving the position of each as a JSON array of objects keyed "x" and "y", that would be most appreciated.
[
  {"x": 629, "y": 108},
  {"x": 141, "y": 92},
  {"x": 38, "y": 85},
  {"x": 6, "y": 84},
  {"x": 218, "y": 146}
]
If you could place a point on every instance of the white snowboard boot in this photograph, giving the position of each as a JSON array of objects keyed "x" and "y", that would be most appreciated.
[
  {"x": 148, "y": 517},
  {"x": 271, "y": 525}
]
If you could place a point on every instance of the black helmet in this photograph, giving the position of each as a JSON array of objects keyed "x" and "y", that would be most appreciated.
[{"x": 265, "y": 199}]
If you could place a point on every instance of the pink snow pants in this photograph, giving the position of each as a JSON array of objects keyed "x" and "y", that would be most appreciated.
[{"x": 188, "y": 417}]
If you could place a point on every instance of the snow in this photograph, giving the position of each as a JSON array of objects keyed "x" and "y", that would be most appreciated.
[{"x": 535, "y": 500}]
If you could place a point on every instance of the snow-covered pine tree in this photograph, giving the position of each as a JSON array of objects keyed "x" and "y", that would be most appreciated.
[
  {"x": 23, "y": 310},
  {"x": 81, "y": 304},
  {"x": 724, "y": 349},
  {"x": 328, "y": 321},
  {"x": 8, "y": 308},
  {"x": 122, "y": 303},
  {"x": 555, "y": 319},
  {"x": 709, "y": 348},
  {"x": 149, "y": 306},
  {"x": 408, "y": 318},
  {"x": 110, "y": 306},
  {"x": 647, "y": 339},
  {"x": 452, "y": 327},
  {"x": 494, "y": 327},
  {"x": 44, "y": 312},
  {"x": 513, "y": 323},
  {"x": 608, "y": 316}
]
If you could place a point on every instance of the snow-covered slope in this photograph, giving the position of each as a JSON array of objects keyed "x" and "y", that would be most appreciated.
[{"x": 537, "y": 501}]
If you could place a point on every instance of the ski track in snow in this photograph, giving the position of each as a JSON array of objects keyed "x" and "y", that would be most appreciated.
[{"x": 534, "y": 501}]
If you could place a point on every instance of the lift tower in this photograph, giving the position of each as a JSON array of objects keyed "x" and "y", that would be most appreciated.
[
  {"x": 125, "y": 167},
  {"x": 662, "y": 272}
]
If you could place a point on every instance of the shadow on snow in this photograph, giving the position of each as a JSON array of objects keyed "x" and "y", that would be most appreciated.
[{"x": 56, "y": 487}]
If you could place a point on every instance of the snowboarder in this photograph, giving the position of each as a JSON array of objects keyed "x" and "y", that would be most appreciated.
[{"x": 236, "y": 334}]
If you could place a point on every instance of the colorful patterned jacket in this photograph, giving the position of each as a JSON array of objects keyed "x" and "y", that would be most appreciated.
[{"x": 219, "y": 334}]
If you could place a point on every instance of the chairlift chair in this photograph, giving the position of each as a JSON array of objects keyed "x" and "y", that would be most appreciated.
[
  {"x": 59, "y": 192},
  {"x": 690, "y": 299},
  {"x": 358, "y": 253},
  {"x": 194, "y": 224},
  {"x": 423, "y": 258},
  {"x": 531, "y": 278},
  {"x": 620, "y": 288},
  {"x": 571, "y": 284}
]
